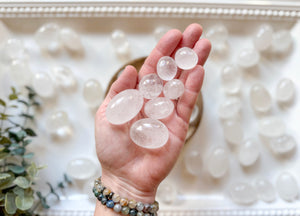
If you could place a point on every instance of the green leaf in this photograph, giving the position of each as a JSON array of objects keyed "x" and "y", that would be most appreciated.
[
  {"x": 4, "y": 176},
  {"x": 2, "y": 196},
  {"x": 31, "y": 117},
  {"x": 67, "y": 179},
  {"x": 3, "y": 116},
  {"x": 19, "y": 191},
  {"x": 37, "y": 104},
  {"x": 2, "y": 102},
  {"x": 61, "y": 185},
  {"x": 29, "y": 155},
  {"x": 24, "y": 202},
  {"x": 6, "y": 181},
  {"x": 13, "y": 97},
  {"x": 18, "y": 151},
  {"x": 3, "y": 155},
  {"x": 32, "y": 171},
  {"x": 16, "y": 169},
  {"x": 10, "y": 206},
  {"x": 30, "y": 132},
  {"x": 22, "y": 182},
  {"x": 5, "y": 140},
  {"x": 26, "y": 142},
  {"x": 13, "y": 89},
  {"x": 43, "y": 200},
  {"x": 53, "y": 191},
  {"x": 23, "y": 102}
]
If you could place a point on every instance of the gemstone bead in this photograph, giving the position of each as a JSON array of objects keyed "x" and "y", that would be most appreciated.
[
  {"x": 173, "y": 89},
  {"x": 146, "y": 208},
  {"x": 231, "y": 79},
  {"x": 230, "y": 108},
  {"x": 263, "y": 37},
  {"x": 271, "y": 127},
  {"x": 104, "y": 201},
  {"x": 153, "y": 208},
  {"x": 160, "y": 31},
  {"x": 243, "y": 193},
  {"x": 140, "y": 213},
  {"x": 58, "y": 122},
  {"x": 260, "y": 98},
  {"x": 285, "y": 91},
  {"x": 43, "y": 85},
  {"x": 159, "y": 108},
  {"x": 287, "y": 187},
  {"x": 64, "y": 77},
  {"x": 233, "y": 132},
  {"x": 92, "y": 93},
  {"x": 166, "y": 68},
  {"x": 132, "y": 204},
  {"x": 70, "y": 39},
  {"x": 265, "y": 190},
  {"x": 217, "y": 162},
  {"x": 106, "y": 192},
  {"x": 248, "y": 152},
  {"x": 110, "y": 204},
  {"x": 282, "y": 41},
  {"x": 110, "y": 195},
  {"x": 140, "y": 206},
  {"x": 217, "y": 34},
  {"x": 47, "y": 37},
  {"x": 120, "y": 42},
  {"x": 193, "y": 162},
  {"x": 117, "y": 207},
  {"x": 151, "y": 86},
  {"x": 20, "y": 72},
  {"x": 125, "y": 210},
  {"x": 248, "y": 58},
  {"x": 116, "y": 198},
  {"x": 123, "y": 202},
  {"x": 100, "y": 197},
  {"x": 283, "y": 144},
  {"x": 133, "y": 212},
  {"x": 147, "y": 214},
  {"x": 81, "y": 168},
  {"x": 186, "y": 58}
]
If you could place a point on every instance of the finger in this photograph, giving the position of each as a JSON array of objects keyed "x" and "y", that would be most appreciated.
[{"x": 202, "y": 48}]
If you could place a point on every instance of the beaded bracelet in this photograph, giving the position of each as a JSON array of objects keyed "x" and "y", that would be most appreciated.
[{"x": 122, "y": 205}]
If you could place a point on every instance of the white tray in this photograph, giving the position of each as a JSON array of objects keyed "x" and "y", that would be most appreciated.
[{"x": 95, "y": 21}]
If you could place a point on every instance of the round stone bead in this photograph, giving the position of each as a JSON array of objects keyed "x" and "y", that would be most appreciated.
[
  {"x": 125, "y": 210},
  {"x": 217, "y": 34},
  {"x": 104, "y": 201},
  {"x": 167, "y": 193},
  {"x": 48, "y": 38},
  {"x": 92, "y": 93},
  {"x": 271, "y": 127},
  {"x": 100, "y": 197},
  {"x": 159, "y": 108},
  {"x": 248, "y": 152},
  {"x": 64, "y": 77},
  {"x": 233, "y": 132},
  {"x": 230, "y": 108},
  {"x": 132, "y": 204},
  {"x": 124, "y": 106},
  {"x": 57, "y": 122},
  {"x": 287, "y": 187},
  {"x": 260, "y": 98},
  {"x": 147, "y": 214},
  {"x": 231, "y": 79},
  {"x": 140, "y": 206},
  {"x": 248, "y": 58},
  {"x": 263, "y": 37},
  {"x": 110, "y": 204},
  {"x": 217, "y": 162},
  {"x": 243, "y": 193},
  {"x": 193, "y": 162},
  {"x": 153, "y": 208},
  {"x": 120, "y": 42},
  {"x": 117, "y": 207},
  {"x": 146, "y": 208},
  {"x": 160, "y": 31},
  {"x": 265, "y": 190},
  {"x": 81, "y": 168},
  {"x": 140, "y": 213},
  {"x": 186, "y": 58},
  {"x": 283, "y": 144},
  {"x": 70, "y": 39},
  {"x": 116, "y": 198},
  {"x": 149, "y": 133},
  {"x": 133, "y": 212},
  {"x": 123, "y": 202},
  {"x": 20, "y": 72},
  {"x": 106, "y": 192},
  {"x": 166, "y": 68},
  {"x": 282, "y": 41},
  {"x": 151, "y": 86},
  {"x": 43, "y": 85},
  {"x": 13, "y": 49},
  {"x": 285, "y": 91},
  {"x": 173, "y": 89}
]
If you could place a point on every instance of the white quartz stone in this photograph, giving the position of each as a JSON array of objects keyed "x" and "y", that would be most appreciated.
[
  {"x": 217, "y": 162},
  {"x": 160, "y": 31},
  {"x": 285, "y": 91},
  {"x": 48, "y": 37},
  {"x": 167, "y": 193},
  {"x": 57, "y": 122},
  {"x": 283, "y": 144},
  {"x": 248, "y": 57},
  {"x": 230, "y": 108},
  {"x": 231, "y": 79},
  {"x": 166, "y": 68},
  {"x": 70, "y": 39},
  {"x": 282, "y": 41},
  {"x": 287, "y": 187},
  {"x": 20, "y": 72},
  {"x": 120, "y": 43},
  {"x": 149, "y": 133},
  {"x": 233, "y": 132},
  {"x": 124, "y": 106},
  {"x": 265, "y": 190},
  {"x": 217, "y": 34},
  {"x": 159, "y": 108},
  {"x": 193, "y": 162},
  {"x": 243, "y": 193},
  {"x": 13, "y": 49},
  {"x": 271, "y": 127},
  {"x": 248, "y": 152},
  {"x": 260, "y": 98},
  {"x": 92, "y": 93},
  {"x": 263, "y": 37},
  {"x": 173, "y": 89},
  {"x": 151, "y": 86},
  {"x": 81, "y": 168},
  {"x": 43, "y": 85},
  {"x": 63, "y": 76},
  {"x": 195, "y": 114},
  {"x": 186, "y": 58}
]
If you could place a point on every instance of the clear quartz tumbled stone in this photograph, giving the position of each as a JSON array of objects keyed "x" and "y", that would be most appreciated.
[
  {"x": 231, "y": 79},
  {"x": 248, "y": 58},
  {"x": 282, "y": 41},
  {"x": 48, "y": 37},
  {"x": 151, "y": 86},
  {"x": 233, "y": 132},
  {"x": 20, "y": 72},
  {"x": 287, "y": 187},
  {"x": 193, "y": 162},
  {"x": 167, "y": 193},
  {"x": 64, "y": 77},
  {"x": 217, "y": 162},
  {"x": 70, "y": 39},
  {"x": 186, "y": 58},
  {"x": 159, "y": 108},
  {"x": 173, "y": 89},
  {"x": 285, "y": 91},
  {"x": 243, "y": 193},
  {"x": 120, "y": 43},
  {"x": 149, "y": 133},
  {"x": 217, "y": 34},
  {"x": 271, "y": 127},
  {"x": 265, "y": 190},
  {"x": 81, "y": 168},
  {"x": 13, "y": 49},
  {"x": 260, "y": 98},
  {"x": 166, "y": 68},
  {"x": 263, "y": 37},
  {"x": 92, "y": 93},
  {"x": 58, "y": 123},
  {"x": 248, "y": 152},
  {"x": 43, "y": 85},
  {"x": 230, "y": 108},
  {"x": 282, "y": 144}
]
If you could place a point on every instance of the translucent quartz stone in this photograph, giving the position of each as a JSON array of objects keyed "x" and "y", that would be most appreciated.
[
  {"x": 271, "y": 127},
  {"x": 160, "y": 31},
  {"x": 217, "y": 34},
  {"x": 260, "y": 98},
  {"x": 167, "y": 193},
  {"x": 58, "y": 122},
  {"x": 64, "y": 77},
  {"x": 159, "y": 108},
  {"x": 81, "y": 168},
  {"x": 120, "y": 42},
  {"x": 248, "y": 152},
  {"x": 231, "y": 79},
  {"x": 166, "y": 68},
  {"x": 20, "y": 72},
  {"x": 233, "y": 132},
  {"x": 230, "y": 108},
  {"x": 43, "y": 85},
  {"x": 92, "y": 93},
  {"x": 70, "y": 39},
  {"x": 282, "y": 144},
  {"x": 124, "y": 106},
  {"x": 13, "y": 49},
  {"x": 193, "y": 162},
  {"x": 48, "y": 37},
  {"x": 265, "y": 190},
  {"x": 263, "y": 37},
  {"x": 4, "y": 32},
  {"x": 285, "y": 91},
  {"x": 287, "y": 186},
  {"x": 186, "y": 58},
  {"x": 149, "y": 133},
  {"x": 195, "y": 114},
  {"x": 243, "y": 193},
  {"x": 248, "y": 58},
  {"x": 282, "y": 41},
  {"x": 217, "y": 162},
  {"x": 173, "y": 89},
  {"x": 151, "y": 86}
]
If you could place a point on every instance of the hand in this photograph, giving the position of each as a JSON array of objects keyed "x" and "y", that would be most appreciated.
[{"x": 132, "y": 171}]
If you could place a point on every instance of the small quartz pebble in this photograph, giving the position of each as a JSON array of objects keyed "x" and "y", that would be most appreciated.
[
  {"x": 243, "y": 193},
  {"x": 20, "y": 72},
  {"x": 260, "y": 98},
  {"x": 248, "y": 152},
  {"x": 217, "y": 162},
  {"x": 285, "y": 91},
  {"x": 48, "y": 37},
  {"x": 282, "y": 144},
  {"x": 265, "y": 190},
  {"x": 173, "y": 89},
  {"x": 167, "y": 193},
  {"x": 151, "y": 86},
  {"x": 43, "y": 85},
  {"x": 124, "y": 106},
  {"x": 230, "y": 108},
  {"x": 248, "y": 58},
  {"x": 186, "y": 58},
  {"x": 263, "y": 37},
  {"x": 70, "y": 39},
  {"x": 117, "y": 208},
  {"x": 13, "y": 49},
  {"x": 282, "y": 41},
  {"x": 195, "y": 114},
  {"x": 166, "y": 68},
  {"x": 160, "y": 31},
  {"x": 193, "y": 162},
  {"x": 120, "y": 42},
  {"x": 159, "y": 108},
  {"x": 81, "y": 168},
  {"x": 271, "y": 127},
  {"x": 57, "y": 121},
  {"x": 149, "y": 133},
  {"x": 233, "y": 132},
  {"x": 217, "y": 34},
  {"x": 92, "y": 93},
  {"x": 231, "y": 79},
  {"x": 287, "y": 187},
  {"x": 64, "y": 77}
]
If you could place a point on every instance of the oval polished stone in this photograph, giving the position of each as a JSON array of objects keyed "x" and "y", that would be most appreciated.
[
  {"x": 47, "y": 37},
  {"x": 20, "y": 72},
  {"x": 167, "y": 193},
  {"x": 217, "y": 34},
  {"x": 231, "y": 79},
  {"x": 173, "y": 89},
  {"x": 193, "y": 162},
  {"x": 92, "y": 93},
  {"x": 248, "y": 58},
  {"x": 120, "y": 42},
  {"x": 233, "y": 132},
  {"x": 151, "y": 86},
  {"x": 287, "y": 187},
  {"x": 186, "y": 58},
  {"x": 217, "y": 162},
  {"x": 166, "y": 68},
  {"x": 271, "y": 127},
  {"x": 260, "y": 97},
  {"x": 248, "y": 152},
  {"x": 70, "y": 39},
  {"x": 285, "y": 90},
  {"x": 64, "y": 77},
  {"x": 230, "y": 108},
  {"x": 124, "y": 106},
  {"x": 265, "y": 190},
  {"x": 81, "y": 168},
  {"x": 57, "y": 120},
  {"x": 243, "y": 193},
  {"x": 263, "y": 38},
  {"x": 149, "y": 133},
  {"x": 13, "y": 49},
  {"x": 43, "y": 85},
  {"x": 283, "y": 144},
  {"x": 282, "y": 41},
  {"x": 159, "y": 108}
]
